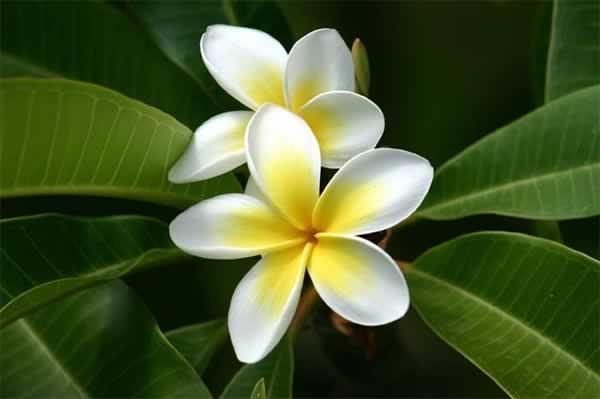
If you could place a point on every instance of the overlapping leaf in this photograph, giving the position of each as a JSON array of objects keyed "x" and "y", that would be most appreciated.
[
  {"x": 574, "y": 63},
  {"x": 92, "y": 41},
  {"x": 199, "y": 342},
  {"x": 177, "y": 26},
  {"x": 574, "y": 51},
  {"x": 543, "y": 166},
  {"x": 524, "y": 309},
  {"x": 101, "y": 342},
  {"x": 277, "y": 369},
  {"x": 65, "y": 137},
  {"x": 47, "y": 257}
]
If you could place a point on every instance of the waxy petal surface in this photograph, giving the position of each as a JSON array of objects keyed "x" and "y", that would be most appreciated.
[
  {"x": 232, "y": 226},
  {"x": 358, "y": 280},
  {"x": 247, "y": 63},
  {"x": 345, "y": 124},
  {"x": 264, "y": 303},
  {"x": 373, "y": 191},
  {"x": 319, "y": 62},
  {"x": 284, "y": 161},
  {"x": 217, "y": 147}
]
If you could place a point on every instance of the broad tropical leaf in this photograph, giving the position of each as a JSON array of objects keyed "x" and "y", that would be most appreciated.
[
  {"x": 523, "y": 309},
  {"x": 92, "y": 41},
  {"x": 277, "y": 369},
  {"x": 101, "y": 342},
  {"x": 574, "y": 63},
  {"x": 177, "y": 26},
  {"x": 66, "y": 137},
  {"x": 545, "y": 165},
  {"x": 574, "y": 51},
  {"x": 199, "y": 342},
  {"x": 47, "y": 257}
]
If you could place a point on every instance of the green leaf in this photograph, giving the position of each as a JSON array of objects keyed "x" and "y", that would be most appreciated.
[
  {"x": 523, "y": 309},
  {"x": 545, "y": 165},
  {"x": 47, "y": 257},
  {"x": 574, "y": 51},
  {"x": 65, "y": 137},
  {"x": 101, "y": 342},
  {"x": 92, "y": 41},
  {"x": 259, "y": 391},
  {"x": 176, "y": 26},
  {"x": 574, "y": 63},
  {"x": 199, "y": 342},
  {"x": 277, "y": 369}
]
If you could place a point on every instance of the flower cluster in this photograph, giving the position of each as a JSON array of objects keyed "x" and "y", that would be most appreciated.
[{"x": 306, "y": 116}]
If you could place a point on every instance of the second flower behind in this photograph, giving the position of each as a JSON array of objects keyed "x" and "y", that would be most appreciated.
[{"x": 315, "y": 81}]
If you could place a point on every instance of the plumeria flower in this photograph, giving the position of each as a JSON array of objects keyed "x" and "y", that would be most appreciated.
[
  {"x": 315, "y": 80},
  {"x": 282, "y": 218}
]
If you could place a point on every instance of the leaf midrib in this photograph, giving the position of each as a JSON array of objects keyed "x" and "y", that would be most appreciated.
[
  {"x": 44, "y": 347},
  {"x": 506, "y": 186},
  {"x": 511, "y": 318}
]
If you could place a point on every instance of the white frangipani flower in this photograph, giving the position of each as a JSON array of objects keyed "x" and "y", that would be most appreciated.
[
  {"x": 315, "y": 80},
  {"x": 282, "y": 218}
]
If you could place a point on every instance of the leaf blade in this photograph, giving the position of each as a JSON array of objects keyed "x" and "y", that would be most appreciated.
[
  {"x": 47, "y": 257},
  {"x": 66, "y": 137},
  {"x": 491, "y": 304},
  {"x": 116, "y": 349},
  {"x": 277, "y": 370},
  {"x": 101, "y": 42},
  {"x": 500, "y": 175},
  {"x": 574, "y": 51},
  {"x": 199, "y": 342},
  {"x": 176, "y": 27}
]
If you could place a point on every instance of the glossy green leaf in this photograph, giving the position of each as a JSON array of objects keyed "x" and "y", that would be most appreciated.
[
  {"x": 199, "y": 342},
  {"x": 177, "y": 25},
  {"x": 574, "y": 51},
  {"x": 66, "y": 137},
  {"x": 574, "y": 63},
  {"x": 93, "y": 41},
  {"x": 545, "y": 165},
  {"x": 277, "y": 369},
  {"x": 523, "y": 309},
  {"x": 101, "y": 342},
  {"x": 47, "y": 257},
  {"x": 260, "y": 390}
]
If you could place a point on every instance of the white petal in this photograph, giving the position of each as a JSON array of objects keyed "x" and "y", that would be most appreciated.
[
  {"x": 319, "y": 62},
  {"x": 345, "y": 124},
  {"x": 253, "y": 190},
  {"x": 232, "y": 226},
  {"x": 247, "y": 63},
  {"x": 217, "y": 147},
  {"x": 264, "y": 303},
  {"x": 373, "y": 191},
  {"x": 358, "y": 280},
  {"x": 284, "y": 160}
]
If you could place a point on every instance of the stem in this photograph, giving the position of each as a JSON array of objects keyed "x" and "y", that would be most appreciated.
[
  {"x": 307, "y": 302},
  {"x": 386, "y": 239},
  {"x": 408, "y": 221}
]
